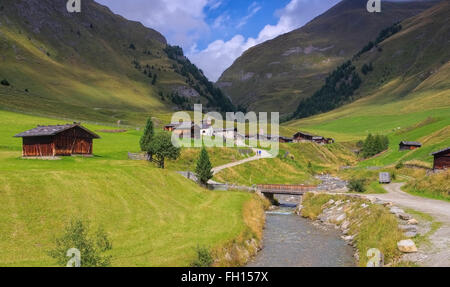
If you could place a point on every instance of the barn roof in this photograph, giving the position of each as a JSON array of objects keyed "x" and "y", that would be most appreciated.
[
  {"x": 40, "y": 131},
  {"x": 304, "y": 133},
  {"x": 441, "y": 151},
  {"x": 411, "y": 143}
]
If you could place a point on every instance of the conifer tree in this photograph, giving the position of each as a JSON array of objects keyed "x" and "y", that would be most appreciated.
[
  {"x": 203, "y": 169},
  {"x": 147, "y": 138}
]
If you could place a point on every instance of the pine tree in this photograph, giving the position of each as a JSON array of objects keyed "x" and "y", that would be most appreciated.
[
  {"x": 147, "y": 138},
  {"x": 203, "y": 169}
]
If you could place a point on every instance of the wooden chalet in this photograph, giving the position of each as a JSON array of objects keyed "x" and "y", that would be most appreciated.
[
  {"x": 285, "y": 140},
  {"x": 441, "y": 159},
  {"x": 59, "y": 140},
  {"x": 171, "y": 127},
  {"x": 305, "y": 137},
  {"x": 302, "y": 137},
  {"x": 187, "y": 129},
  {"x": 406, "y": 145}
]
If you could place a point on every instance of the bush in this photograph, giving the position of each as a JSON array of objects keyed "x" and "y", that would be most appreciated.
[
  {"x": 5, "y": 82},
  {"x": 357, "y": 185},
  {"x": 204, "y": 258},
  {"x": 399, "y": 165},
  {"x": 91, "y": 246}
]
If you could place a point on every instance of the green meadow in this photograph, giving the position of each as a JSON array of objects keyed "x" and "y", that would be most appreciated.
[{"x": 153, "y": 217}]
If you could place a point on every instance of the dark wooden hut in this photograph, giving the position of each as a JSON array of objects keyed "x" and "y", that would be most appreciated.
[
  {"x": 405, "y": 145},
  {"x": 441, "y": 159},
  {"x": 59, "y": 140}
]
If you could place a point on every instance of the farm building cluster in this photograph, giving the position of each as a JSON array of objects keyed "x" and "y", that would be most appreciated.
[{"x": 205, "y": 128}]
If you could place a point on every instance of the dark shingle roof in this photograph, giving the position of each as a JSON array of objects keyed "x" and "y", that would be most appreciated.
[
  {"x": 441, "y": 151},
  {"x": 411, "y": 143},
  {"x": 40, "y": 131}
]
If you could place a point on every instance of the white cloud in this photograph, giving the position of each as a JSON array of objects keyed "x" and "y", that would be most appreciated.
[
  {"x": 253, "y": 9},
  {"x": 220, "y": 54},
  {"x": 181, "y": 21}
]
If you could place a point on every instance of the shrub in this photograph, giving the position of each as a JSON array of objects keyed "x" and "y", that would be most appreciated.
[
  {"x": 204, "y": 258},
  {"x": 5, "y": 82},
  {"x": 357, "y": 185},
  {"x": 91, "y": 246},
  {"x": 399, "y": 165}
]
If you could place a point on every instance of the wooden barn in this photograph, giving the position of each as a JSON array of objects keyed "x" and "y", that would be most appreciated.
[
  {"x": 302, "y": 137},
  {"x": 285, "y": 140},
  {"x": 441, "y": 159},
  {"x": 59, "y": 140},
  {"x": 187, "y": 129},
  {"x": 405, "y": 145},
  {"x": 171, "y": 127}
]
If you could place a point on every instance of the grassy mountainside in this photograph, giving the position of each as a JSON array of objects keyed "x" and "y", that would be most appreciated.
[
  {"x": 295, "y": 164},
  {"x": 153, "y": 217},
  {"x": 293, "y": 66},
  {"x": 407, "y": 95},
  {"x": 91, "y": 65}
]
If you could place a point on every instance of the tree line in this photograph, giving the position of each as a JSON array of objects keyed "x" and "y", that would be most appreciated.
[
  {"x": 373, "y": 145},
  {"x": 338, "y": 90}
]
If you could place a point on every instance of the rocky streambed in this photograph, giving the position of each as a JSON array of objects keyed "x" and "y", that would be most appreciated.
[{"x": 293, "y": 241}]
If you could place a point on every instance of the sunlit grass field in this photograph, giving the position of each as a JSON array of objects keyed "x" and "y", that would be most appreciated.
[{"x": 153, "y": 217}]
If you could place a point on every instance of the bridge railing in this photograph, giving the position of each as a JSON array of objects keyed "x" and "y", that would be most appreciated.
[{"x": 286, "y": 187}]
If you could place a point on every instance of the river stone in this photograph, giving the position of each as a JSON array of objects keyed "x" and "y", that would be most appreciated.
[
  {"x": 411, "y": 234},
  {"x": 407, "y": 246},
  {"x": 388, "y": 204},
  {"x": 345, "y": 225},
  {"x": 364, "y": 205},
  {"x": 341, "y": 217},
  {"x": 396, "y": 210},
  {"x": 404, "y": 216},
  {"x": 413, "y": 221},
  {"x": 407, "y": 228}
]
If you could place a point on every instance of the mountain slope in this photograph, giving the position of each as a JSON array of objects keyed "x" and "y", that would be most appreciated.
[
  {"x": 406, "y": 95},
  {"x": 91, "y": 65},
  {"x": 277, "y": 74}
]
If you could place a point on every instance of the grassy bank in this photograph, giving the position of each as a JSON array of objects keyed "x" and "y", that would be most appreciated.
[
  {"x": 153, "y": 217},
  {"x": 432, "y": 186},
  {"x": 372, "y": 226}
]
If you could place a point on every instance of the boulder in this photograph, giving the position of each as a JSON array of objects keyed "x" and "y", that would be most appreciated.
[
  {"x": 407, "y": 246},
  {"x": 388, "y": 204},
  {"x": 411, "y": 234},
  {"x": 413, "y": 221},
  {"x": 396, "y": 210},
  {"x": 345, "y": 225},
  {"x": 407, "y": 228},
  {"x": 404, "y": 216},
  {"x": 340, "y": 217}
]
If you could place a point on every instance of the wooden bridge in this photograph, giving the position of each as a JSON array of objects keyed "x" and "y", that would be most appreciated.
[{"x": 288, "y": 189}]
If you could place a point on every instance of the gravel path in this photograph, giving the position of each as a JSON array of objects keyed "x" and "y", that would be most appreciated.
[
  {"x": 438, "y": 254},
  {"x": 264, "y": 154}
]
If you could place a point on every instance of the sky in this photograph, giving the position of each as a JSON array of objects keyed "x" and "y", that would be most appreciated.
[{"x": 214, "y": 33}]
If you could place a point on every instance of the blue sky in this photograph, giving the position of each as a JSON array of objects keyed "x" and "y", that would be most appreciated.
[{"x": 213, "y": 33}]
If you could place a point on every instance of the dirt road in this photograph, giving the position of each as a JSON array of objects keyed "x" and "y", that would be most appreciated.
[
  {"x": 438, "y": 253},
  {"x": 264, "y": 154}
]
